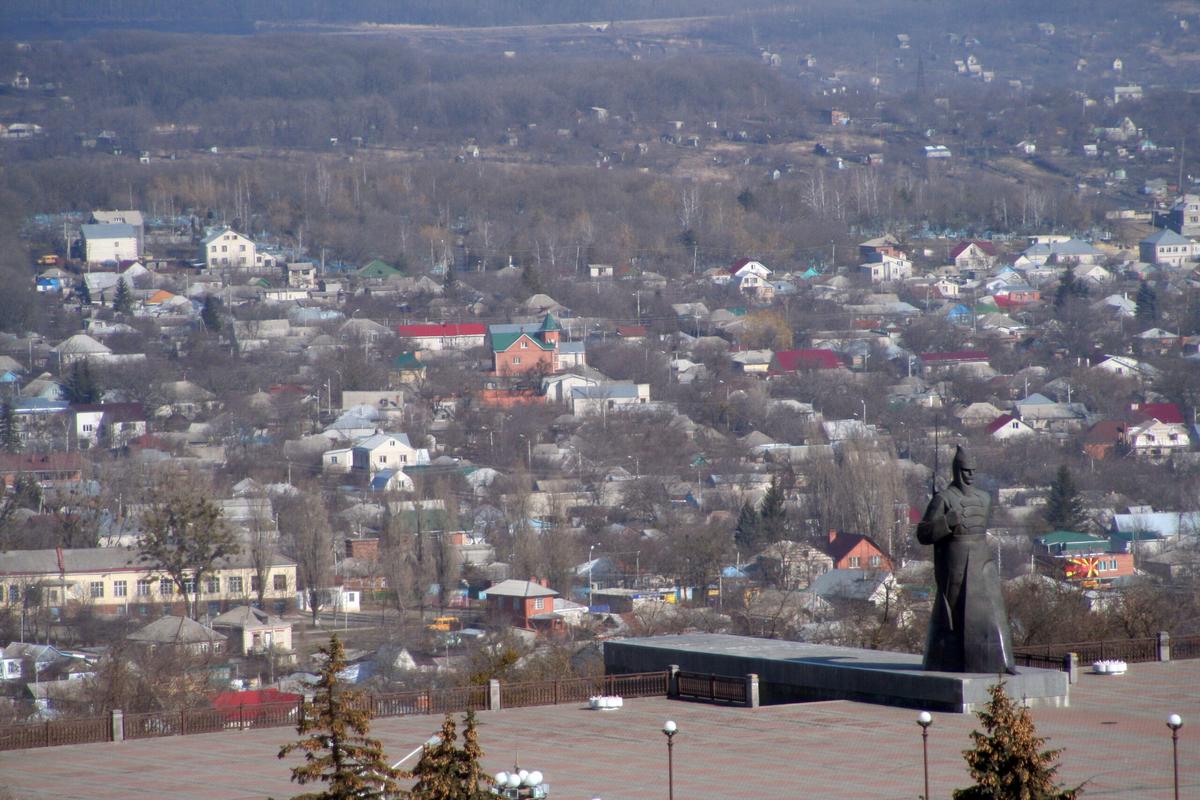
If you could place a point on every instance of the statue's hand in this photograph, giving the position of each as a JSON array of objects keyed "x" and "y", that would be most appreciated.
[{"x": 952, "y": 519}]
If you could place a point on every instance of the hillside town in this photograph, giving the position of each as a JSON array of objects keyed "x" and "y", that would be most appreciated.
[{"x": 447, "y": 457}]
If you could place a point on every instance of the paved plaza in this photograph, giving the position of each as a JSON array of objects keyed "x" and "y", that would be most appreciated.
[{"x": 1113, "y": 734}]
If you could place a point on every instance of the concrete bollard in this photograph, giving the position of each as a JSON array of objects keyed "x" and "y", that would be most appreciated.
[
  {"x": 752, "y": 690},
  {"x": 672, "y": 680},
  {"x": 1163, "y": 646},
  {"x": 118, "y": 725},
  {"x": 1071, "y": 667},
  {"x": 493, "y": 695}
]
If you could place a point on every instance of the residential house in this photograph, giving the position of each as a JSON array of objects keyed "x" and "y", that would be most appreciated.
[
  {"x": 944, "y": 363},
  {"x": 115, "y": 581},
  {"x": 854, "y": 587},
  {"x": 1156, "y": 440},
  {"x": 300, "y": 274},
  {"x": 1006, "y": 426},
  {"x": 1167, "y": 248},
  {"x": 875, "y": 249},
  {"x": 1041, "y": 413},
  {"x": 752, "y": 278},
  {"x": 791, "y": 565},
  {"x": 444, "y": 335},
  {"x": 1104, "y": 438},
  {"x": 386, "y": 451},
  {"x": 977, "y": 415},
  {"x": 179, "y": 633},
  {"x": 516, "y": 603},
  {"x": 1084, "y": 559},
  {"x": 557, "y": 388},
  {"x": 109, "y": 243},
  {"x": 378, "y": 270},
  {"x": 974, "y": 255},
  {"x": 132, "y": 218},
  {"x": 608, "y": 396},
  {"x": 888, "y": 269},
  {"x": 1094, "y": 276},
  {"x": 1066, "y": 251},
  {"x": 1184, "y": 216},
  {"x": 804, "y": 360},
  {"x": 80, "y": 347},
  {"x": 856, "y": 551},
  {"x": 114, "y": 425},
  {"x": 224, "y": 248},
  {"x": 597, "y": 271},
  {"x": 1126, "y": 367},
  {"x": 1156, "y": 341},
  {"x": 252, "y": 631},
  {"x": 47, "y": 469},
  {"x": 522, "y": 352}
]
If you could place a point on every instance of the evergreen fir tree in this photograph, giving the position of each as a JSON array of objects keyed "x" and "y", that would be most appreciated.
[
  {"x": 210, "y": 314},
  {"x": 122, "y": 299},
  {"x": 85, "y": 294},
  {"x": 772, "y": 516},
  {"x": 531, "y": 280},
  {"x": 1064, "y": 506},
  {"x": 80, "y": 385},
  {"x": 1066, "y": 287},
  {"x": 1008, "y": 762},
  {"x": 449, "y": 772},
  {"x": 1147, "y": 303},
  {"x": 10, "y": 431},
  {"x": 336, "y": 748},
  {"x": 746, "y": 534}
]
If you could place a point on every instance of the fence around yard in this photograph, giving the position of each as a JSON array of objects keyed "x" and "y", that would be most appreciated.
[{"x": 457, "y": 699}]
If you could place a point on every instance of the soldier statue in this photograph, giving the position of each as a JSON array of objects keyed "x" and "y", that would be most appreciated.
[{"x": 968, "y": 631}]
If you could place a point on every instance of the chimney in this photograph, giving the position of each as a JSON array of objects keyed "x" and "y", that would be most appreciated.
[{"x": 832, "y": 536}]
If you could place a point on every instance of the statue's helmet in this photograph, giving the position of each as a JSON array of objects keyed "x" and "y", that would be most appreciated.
[{"x": 963, "y": 459}]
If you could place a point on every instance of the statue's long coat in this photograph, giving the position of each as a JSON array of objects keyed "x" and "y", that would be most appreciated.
[{"x": 968, "y": 630}]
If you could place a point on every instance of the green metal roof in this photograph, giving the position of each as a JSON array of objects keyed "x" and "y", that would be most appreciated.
[
  {"x": 549, "y": 323},
  {"x": 378, "y": 269},
  {"x": 503, "y": 341}
]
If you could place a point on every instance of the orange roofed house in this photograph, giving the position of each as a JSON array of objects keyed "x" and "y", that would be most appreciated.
[{"x": 856, "y": 551}]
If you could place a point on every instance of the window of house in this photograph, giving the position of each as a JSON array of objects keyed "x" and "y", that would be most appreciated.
[
  {"x": 87, "y": 428},
  {"x": 189, "y": 585},
  {"x": 14, "y": 593},
  {"x": 875, "y": 561},
  {"x": 120, "y": 588},
  {"x": 224, "y": 248},
  {"x": 516, "y": 360},
  {"x": 255, "y": 583},
  {"x": 524, "y": 345},
  {"x": 143, "y": 587},
  {"x": 235, "y": 584},
  {"x": 539, "y": 603},
  {"x": 383, "y": 459},
  {"x": 242, "y": 247},
  {"x": 854, "y": 562},
  {"x": 213, "y": 585},
  {"x": 333, "y": 459},
  {"x": 279, "y": 583},
  {"x": 97, "y": 589},
  {"x": 166, "y": 588}
]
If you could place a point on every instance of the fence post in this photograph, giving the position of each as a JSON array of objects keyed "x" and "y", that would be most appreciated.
[
  {"x": 1163, "y": 646},
  {"x": 46, "y": 728},
  {"x": 672, "y": 680},
  {"x": 493, "y": 695},
  {"x": 1071, "y": 667},
  {"x": 118, "y": 725},
  {"x": 752, "y": 690}
]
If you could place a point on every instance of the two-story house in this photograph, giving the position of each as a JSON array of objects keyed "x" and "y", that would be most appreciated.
[
  {"x": 1167, "y": 248},
  {"x": 973, "y": 255},
  {"x": 856, "y": 551},
  {"x": 225, "y": 247},
  {"x": 888, "y": 269},
  {"x": 521, "y": 349},
  {"x": 113, "y": 425},
  {"x": 752, "y": 278},
  {"x": 115, "y": 242}
]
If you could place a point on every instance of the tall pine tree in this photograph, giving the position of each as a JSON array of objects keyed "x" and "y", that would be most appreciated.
[
  {"x": 1064, "y": 506},
  {"x": 10, "y": 431},
  {"x": 1008, "y": 762},
  {"x": 746, "y": 535},
  {"x": 772, "y": 516},
  {"x": 122, "y": 298},
  {"x": 210, "y": 314},
  {"x": 1147, "y": 303},
  {"x": 449, "y": 772},
  {"x": 336, "y": 748},
  {"x": 80, "y": 385}
]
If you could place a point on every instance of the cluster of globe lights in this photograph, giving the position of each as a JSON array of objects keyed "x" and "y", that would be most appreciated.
[{"x": 518, "y": 778}]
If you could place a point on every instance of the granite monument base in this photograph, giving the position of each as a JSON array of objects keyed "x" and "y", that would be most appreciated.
[{"x": 790, "y": 672}]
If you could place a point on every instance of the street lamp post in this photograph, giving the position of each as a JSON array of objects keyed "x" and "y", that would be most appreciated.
[
  {"x": 591, "y": 548},
  {"x": 1175, "y": 722},
  {"x": 925, "y": 719},
  {"x": 669, "y": 729}
]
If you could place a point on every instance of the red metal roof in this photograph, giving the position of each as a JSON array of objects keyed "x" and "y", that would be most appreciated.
[
  {"x": 999, "y": 422},
  {"x": 811, "y": 358},
  {"x": 956, "y": 356},
  {"x": 741, "y": 262},
  {"x": 430, "y": 330},
  {"x": 1163, "y": 412},
  {"x": 986, "y": 247}
]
